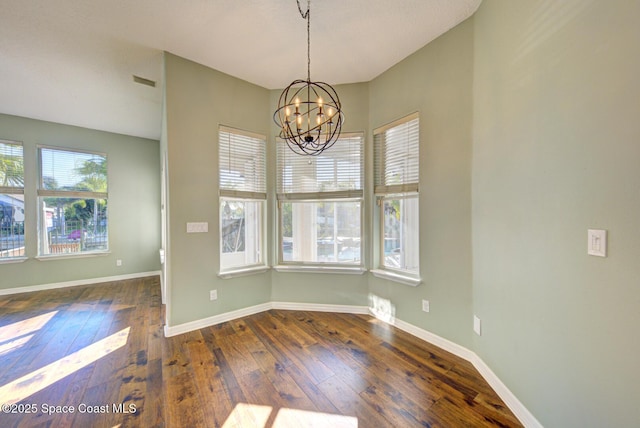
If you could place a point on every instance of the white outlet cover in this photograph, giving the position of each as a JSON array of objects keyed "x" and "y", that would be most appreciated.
[
  {"x": 476, "y": 325},
  {"x": 213, "y": 295},
  {"x": 425, "y": 305}
]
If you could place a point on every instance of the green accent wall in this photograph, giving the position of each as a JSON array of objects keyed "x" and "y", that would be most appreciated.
[
  {"x": 556, "y": 151},
  {"x": 198, "y": 100},
  {"x": 436, "y": 82},
  {"x": 134, "y": 199}
]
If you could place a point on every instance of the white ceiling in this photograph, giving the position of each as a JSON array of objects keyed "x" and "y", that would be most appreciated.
[{"x": 72, "y": 61}]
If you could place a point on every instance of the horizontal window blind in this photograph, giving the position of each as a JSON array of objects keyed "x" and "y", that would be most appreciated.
[
  {"x": 72, "y": 173},
  {"x": 242, "y": 164},
  {"x": 334, "y": 174},
  {"x": 396, "y": 160},
  {"x": 11, "y": 167}
]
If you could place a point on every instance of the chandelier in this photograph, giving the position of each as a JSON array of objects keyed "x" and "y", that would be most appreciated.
[{"x": 309, "y": 113}]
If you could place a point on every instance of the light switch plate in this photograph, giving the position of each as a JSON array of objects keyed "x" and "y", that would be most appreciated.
[
  {"x": 597, "y": 242},
  {"x": 197, "y": 227}
]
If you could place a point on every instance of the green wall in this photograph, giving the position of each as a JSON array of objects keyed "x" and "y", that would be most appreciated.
[
  {"x": 436, "y": 81},
  {"x": 198, "y": 100},
  {"x": 134, "y": 198},
  {"x": 556, "y": 152}
]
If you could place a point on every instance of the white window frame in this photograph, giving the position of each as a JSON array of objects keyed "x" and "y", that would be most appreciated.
[
  {"x": 15, "y": 192},
  {"x": 256, "y": 194},
  {"x": 405, "y": 188},
  {"x": 79, "y": 194},
  {"x": 330, "y": 196}
]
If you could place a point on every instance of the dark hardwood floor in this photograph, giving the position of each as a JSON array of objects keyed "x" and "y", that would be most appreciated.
[{"x": 99, "y": 350}]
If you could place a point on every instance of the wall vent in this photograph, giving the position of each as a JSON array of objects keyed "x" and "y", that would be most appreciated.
[{"x": 144, "y": 81}]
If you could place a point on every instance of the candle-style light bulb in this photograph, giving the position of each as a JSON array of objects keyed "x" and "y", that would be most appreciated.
[{"x": 320, "y": 102}]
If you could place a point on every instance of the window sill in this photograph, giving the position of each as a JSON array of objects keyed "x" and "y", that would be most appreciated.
[
  {"x": 13, "y": 260},
  {"x": 72, "y": 256},
  {"x": 243, "y": 271},
  {"x": 349, "y": 270},
  {"x": 396, "y": 277}
]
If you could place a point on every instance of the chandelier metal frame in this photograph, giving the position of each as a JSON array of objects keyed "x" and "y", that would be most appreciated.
[{"x": 309, "y": 113}]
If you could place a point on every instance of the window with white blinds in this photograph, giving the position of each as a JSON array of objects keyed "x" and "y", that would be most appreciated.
[
  {"x": 64, "y": 172},
  {"x": 11, "y": 200},
  {"x": 396, "y": 161},
  {"x": 73, "y": 200},
  {"x": 335, "y": 173},
  {"x": 242, "y": 158},
  {"x": 396, "y": 178},
  {"x": 11, "y": 167},
  {"x": 320, "y": 204},
  {"x": 242, "y": 164}
]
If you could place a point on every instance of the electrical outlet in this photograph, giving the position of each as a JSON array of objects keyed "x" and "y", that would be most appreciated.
[
  {"x": 213, "y": 295},
  {"x": 118, "y": 262},
  {"x": 476, "y": 325},
  {"x": 425, "y": 305}
]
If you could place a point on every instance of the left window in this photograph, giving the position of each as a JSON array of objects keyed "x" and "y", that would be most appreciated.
[
  {"x": 243, "y": 195},
  {"x": 72, "y": 200},
  {"x": 11, "y": 200}
]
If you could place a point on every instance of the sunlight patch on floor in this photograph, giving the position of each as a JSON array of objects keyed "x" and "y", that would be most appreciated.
[
  {"x": 294, "y": 418},
  {"x": 37, "y": 380},
  {"x": 256, "y": 416},
  {"x": 7, "y": 347},
  {"x": 14, "y": 336},
  {"x": 248, "y": 415},
  {"x": 24, "y": 327}
]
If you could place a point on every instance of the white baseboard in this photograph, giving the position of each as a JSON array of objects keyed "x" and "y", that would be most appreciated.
[
  {"x": 30, "y": 288},
  {"x": 230, "y": 316},
  {"x": 216, "y": 319},
  {"x": 512, "y": 402},
  {"x": 522, "y": 413},
  {"x": 318, "y": 307},
  {"x": 518, "y": 409},
  {"x": 436, "y": 340}
]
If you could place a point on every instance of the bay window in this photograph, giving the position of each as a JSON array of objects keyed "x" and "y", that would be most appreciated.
[
  {"x": 396, "y": 178},
  {"x": 243, "y": 194},
  {"x": 320, "y": 204}
]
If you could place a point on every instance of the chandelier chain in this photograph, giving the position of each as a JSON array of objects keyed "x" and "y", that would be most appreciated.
[
  {"x": 309, "y": 114},
  {"x": 307, "y": 15}
]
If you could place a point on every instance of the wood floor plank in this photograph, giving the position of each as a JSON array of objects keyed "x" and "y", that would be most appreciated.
[
  {"x": 212, "y": 393},
  {"x": 350, "y": 403},
  {"x": 320, "y": 401},
  {"x": 282, "y": 382},
  {"x": 294, "y": 344}
]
